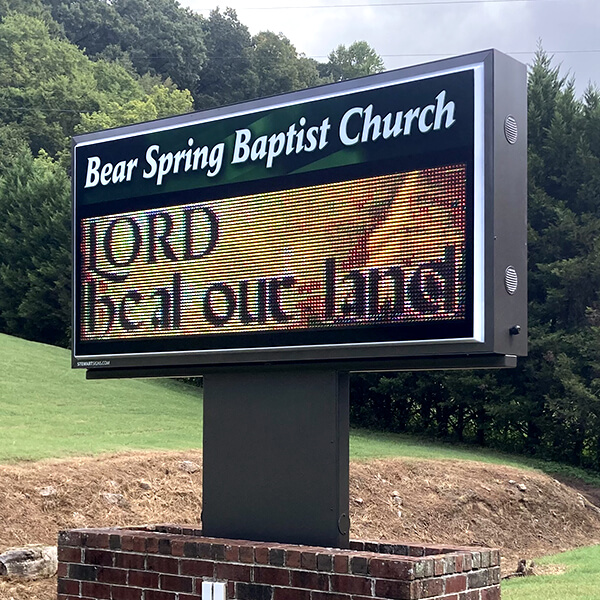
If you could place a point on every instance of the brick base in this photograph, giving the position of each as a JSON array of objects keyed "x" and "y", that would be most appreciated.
[{"x": 167, "y": 562}]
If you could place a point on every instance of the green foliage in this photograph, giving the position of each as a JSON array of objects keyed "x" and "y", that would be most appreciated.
[
  {"x": 35, "y": 257},
  {"x": 356, "y": 60},
  {"x": 158, "y": 36},
  {"x": 278, "y": 66},
  {"x": 550, "y": 405},
  {"x": 45, "y": 83},
  {"x": 50, "y": 89},
  {"x": 31, "y": 8},
  {"x": 93, "y": 25},
  {"x": 564, "y": 208},
  {"x": 169, "y": 39},
  {"x": 12, "y": 144},
  {"x": 227, "y": 75},
  {"x": 160, "y": 102},
  {"x": 215, "y": 58}
]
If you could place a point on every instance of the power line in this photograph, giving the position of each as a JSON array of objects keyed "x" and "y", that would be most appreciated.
[
  {"x": 432, "y": 54},
  {"x": 47, "y": 110},
  {"x": 414, "y": 54},
  {"x": 410, "y": 54},
  {"x": 381, "y": 4}
]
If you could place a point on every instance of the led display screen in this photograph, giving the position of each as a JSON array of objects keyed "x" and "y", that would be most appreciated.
[
  {"x": 377, "y": 251},
  {"x": 349, "y": 216}
]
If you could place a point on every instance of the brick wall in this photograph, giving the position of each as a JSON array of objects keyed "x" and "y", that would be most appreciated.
[{"x": 170, "y": 563}]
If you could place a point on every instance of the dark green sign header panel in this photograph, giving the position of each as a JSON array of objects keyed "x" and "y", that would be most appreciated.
[
  {"x": 393, "y": 122},
  {"x": 345, "y": 222}
]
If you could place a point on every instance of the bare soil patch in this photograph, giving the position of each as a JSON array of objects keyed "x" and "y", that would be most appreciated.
[{"x": 524, "y": 513}]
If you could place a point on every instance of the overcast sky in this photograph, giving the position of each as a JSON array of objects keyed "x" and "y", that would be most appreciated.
[{"x": 405, "y": 32}]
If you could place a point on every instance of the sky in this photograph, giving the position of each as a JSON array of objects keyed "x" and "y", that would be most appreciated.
[{"x": 408, "y": 32}]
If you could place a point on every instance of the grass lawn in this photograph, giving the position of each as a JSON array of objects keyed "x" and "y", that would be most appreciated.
[
  {"x": 49, "y": 410},
  {"x": 365, "y": 445},
  {"x": 580, "y": 581}
]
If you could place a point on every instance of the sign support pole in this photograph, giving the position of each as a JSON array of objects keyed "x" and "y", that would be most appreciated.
[{"x": 276, "y": 456}]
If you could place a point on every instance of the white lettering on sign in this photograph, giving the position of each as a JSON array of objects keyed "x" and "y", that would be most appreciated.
[
  {"x": 292, "y": 141},
  {"x": 109, "y": 173},
  {"x": 190, "y": 159},
  {"x": 358, "y": 125},
  {"x": 361, "y": 125}
]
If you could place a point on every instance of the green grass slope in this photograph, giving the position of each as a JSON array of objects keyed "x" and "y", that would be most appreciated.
[
  {"x": 580, "y": 581},
  {"x": 49, "y": 410},
  {"x": 366, "y": 445}
]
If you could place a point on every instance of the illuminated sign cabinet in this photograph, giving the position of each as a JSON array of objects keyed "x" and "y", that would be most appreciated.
[{"x": 358, "y": 224}]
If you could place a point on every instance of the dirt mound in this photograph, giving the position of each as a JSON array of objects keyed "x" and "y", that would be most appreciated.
[
  {"x": 525, "y": 513},
  {"x": 37, "y": 499}
]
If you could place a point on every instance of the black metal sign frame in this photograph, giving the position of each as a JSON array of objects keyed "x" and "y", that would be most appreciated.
[{"x": 151, "y": 201}]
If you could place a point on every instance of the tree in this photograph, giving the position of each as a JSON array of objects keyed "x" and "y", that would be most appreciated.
[
  {"x": 91, "y": 25},
  {"x": 31, "y": 8},
  {"x": 215, "y": 58},
  {"x": 45, "y": 83},
  {"x": 564, "y": 212},
  {"x": 160, "y": 37},
  {"x": 49, "y": 89},
  {"x": 160, "y": 101},
  {"x": 169, "y": 40},
  {"x": 12, "y": 144},
  {"x": 279, "y": 67},
  {"x": 227, "y": 75},
  {"x": 356, "y": 60},
  {"x": 550, "y": 404},
  {"x": 35, "y": 257}
]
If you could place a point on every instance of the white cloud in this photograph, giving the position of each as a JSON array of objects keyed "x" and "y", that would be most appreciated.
[{"x": 402, "y": 34}]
